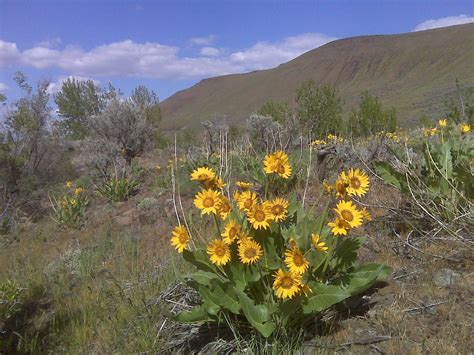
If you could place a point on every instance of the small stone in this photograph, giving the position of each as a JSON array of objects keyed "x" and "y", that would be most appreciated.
[{"x": 445, "y": 277}]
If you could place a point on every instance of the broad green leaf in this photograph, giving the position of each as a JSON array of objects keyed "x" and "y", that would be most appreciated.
[
  {"x": 258, "y": 316},
  {"x": 199, "y": 259},
  {"x": 203, "y": 277},
  {"x": 345, "y": 253},
  {"x": 324, "y": 297},
  {"x": 221, "y": 295},
  {"x": 362, "y": 278},
  {"x": 390, "y": 175},
  {"x": 197, "y": 314}
]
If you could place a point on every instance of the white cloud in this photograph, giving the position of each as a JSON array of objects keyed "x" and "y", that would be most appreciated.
[
  {"x": 209, "y": 51},
  {"x": 443, "y": 22},
  {"x": 50, "y": 42},
  {"x": 203, "y": 41},
  {"x": 3, "y": 87},
  {"x": 9, "y": 53},
  {"x": 154, "y": 60}
]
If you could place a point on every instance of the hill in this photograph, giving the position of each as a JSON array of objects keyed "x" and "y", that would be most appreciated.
[{"x": 412, "y": 72}]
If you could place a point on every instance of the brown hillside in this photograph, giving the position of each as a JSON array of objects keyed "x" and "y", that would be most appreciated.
[{"x": 412, "y": 72}]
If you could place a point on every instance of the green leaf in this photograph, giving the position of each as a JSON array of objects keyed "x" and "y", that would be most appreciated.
[
  {"x": 222, "y": 295},
  {"x": 203, "y": 277},
  {"x": 390, "y": 175},
  {"x": 197, "y": 314},
  {"x": 324, "y": 297},
  {"x": 258, "y": 315},
  {"x": 363, "y": 277},
  {"x": 345, "y": 253},
  {"x": 199, "y": 259}
]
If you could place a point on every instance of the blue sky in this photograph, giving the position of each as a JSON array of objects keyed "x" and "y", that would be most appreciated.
[{"x": 170, "y": 45}]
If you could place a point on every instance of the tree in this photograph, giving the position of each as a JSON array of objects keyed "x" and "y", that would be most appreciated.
[
  {"x": 124, "y": 123},
  {"x": 279, "y": 111},
  {"x": 24, "y": 141},
  {"x": 319, "y": 109},
  {"x": 148, "y": 102},
  {"x": 370, "y": 117},
  {"x": 77, "y": 101}
]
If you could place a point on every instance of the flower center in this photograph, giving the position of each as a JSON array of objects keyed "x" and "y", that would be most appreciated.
[
  {"x": 341, "y": 188},
  {"x": 220, "y": 251},
  {"x": 183, "y": 238},
  {"x": 248, "y": 203},
  {"x": 280, "y": 168},
  {"x": 286, "y": 282},
  {"x": 250, "y": 253},
  {"x": 355, "y": 182},
  {"x": 225, "y": 207},
  {"x": 203, "y": 177},
  {"x": 259, "y": 216},
  {"x": 208, "y": 202},
  {"x": 347, "y": 215},
  {"x": 277, "y": 210},
  {"x": 232, "y": 232},
  {"x": 343, "y": 224},
  {"x": 298, "y": 259}
]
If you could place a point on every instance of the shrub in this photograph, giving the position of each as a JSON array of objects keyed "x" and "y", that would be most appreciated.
[
  {"x": 440, "y": 183},
  {"x": 71, "y": 208},
  {"x": 271, "y": 262},
  {"x": 10, "y": 299},
  {"x": 117, "y": 189}
]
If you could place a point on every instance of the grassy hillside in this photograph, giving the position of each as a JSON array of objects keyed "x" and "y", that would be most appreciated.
[{"x": 408, "y": 71}]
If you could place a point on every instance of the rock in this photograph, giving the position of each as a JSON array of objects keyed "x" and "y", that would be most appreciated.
[
  {"x": 445, "y": 277},
  {"x": 124, "y": 220}
]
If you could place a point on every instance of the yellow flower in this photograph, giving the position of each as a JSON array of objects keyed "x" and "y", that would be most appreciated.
[
  {"x": 246, "y": 200},
  {"x": 339, "y": 226},
  {"x": 277, "y": 163},
  {"x": 342, "y": 183},
  {"x": 358, "y": 182},
  {"x": 318, "y": 142},
  {"x": 287, "y": 284},
  {"x": 69, "y": 184},
  {"x": 347, "y": 211},
  {"x": 203, "y": 174},
  {"x": 73, "y": 202},
  {"x": 465, "y": 128},
  {"x": 328, "y": 187},
  {"x": 365, "y": 214},
  {"x": 78, "y": 191},
  {"x": 208, "y": 201},
  {"x": 295, "y": 260},
  {"x": 318, "y": 244},
  {"x": 249, "y": 251},
  {"x": 214, "y": 183},
  {"x": 278, "y": 209},
  {"x": 259, "y": 216},
  {"x": 231, "y": 232},
  {"x": 244, "y": 185},
  {"x": 224, "y": 207},
  {"x": 443, "y": 123},
  {"x": 218, "y": 252},
  {"x": 158, "y": 168},
  {"x": 180, "y": 238}
]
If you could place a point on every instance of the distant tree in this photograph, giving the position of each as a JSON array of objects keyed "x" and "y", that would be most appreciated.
[
  {"x": 77, "y": 101},
  {"x": 147, "y": 101},
  {"x": 370, "y": 117},
  {"x": 279, "y": 111},
  {"x": 319, "y": 109}
]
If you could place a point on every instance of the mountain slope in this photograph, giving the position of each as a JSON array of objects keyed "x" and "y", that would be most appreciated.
[{"x": 412, "y": 72}]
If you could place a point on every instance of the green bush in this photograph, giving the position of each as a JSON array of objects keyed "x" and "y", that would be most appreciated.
[{"x": 117, "y": 189}]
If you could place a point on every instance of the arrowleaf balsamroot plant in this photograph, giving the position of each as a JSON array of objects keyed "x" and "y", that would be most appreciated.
[
  {"x": 270, "y": 261},
  {"x": 69, "y": 210}
]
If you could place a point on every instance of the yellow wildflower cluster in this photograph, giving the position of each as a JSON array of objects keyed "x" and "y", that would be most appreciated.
[
  {"x": 277, "y": 163},
  {"x": 318, "y": 142},
  {"x": 353, "y": 183},
  {"x": 335, "y": 139}
]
